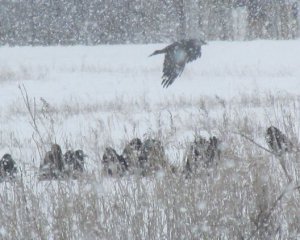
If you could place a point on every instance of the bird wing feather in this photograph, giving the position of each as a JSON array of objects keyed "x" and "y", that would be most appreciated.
[
  {"x": 171, "y": 70},
  {"x": 193, "y": 53}
]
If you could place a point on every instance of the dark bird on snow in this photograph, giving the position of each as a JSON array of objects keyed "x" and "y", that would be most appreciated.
[
  {"x": 277, "y": 141},
  {"x": 74, "y": 160},
  {"x": 113, "y": 163},
  {"x": 152, "y": 157},
  {"x": 132, "y": 152},
  {"x": 7, "y": 166},
  {"x": 202, "y": 153},
  {"x": 53, "y": 164},
  {"x": 176, "y": 56}
]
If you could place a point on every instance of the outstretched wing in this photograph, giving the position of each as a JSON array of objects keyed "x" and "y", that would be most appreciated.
[
  {"x": 194, "y": 53},
  {"x": 171, "y": 69},
  {"x": 193, "y": 49}
]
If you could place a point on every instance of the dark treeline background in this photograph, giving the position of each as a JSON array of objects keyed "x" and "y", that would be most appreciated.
[{"x": 88, "y": 22}]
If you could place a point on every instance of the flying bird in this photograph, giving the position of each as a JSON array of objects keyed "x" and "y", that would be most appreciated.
[{"x": 176, "y": 56}]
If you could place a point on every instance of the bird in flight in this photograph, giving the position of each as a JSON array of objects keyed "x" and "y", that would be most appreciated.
[{"x": 176, "y": 56}]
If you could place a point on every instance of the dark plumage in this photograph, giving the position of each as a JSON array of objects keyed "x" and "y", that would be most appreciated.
[
  {"x": 113, "y": 163},
  {"x": 53, "y": 164},
  {"x": 7, "y": 166},
  {"x": 213, "y": 150},
  {"x": 137, "y": 158},
  {"x": 277, "y": 141},
  {"x": 74, "y": 161},
  {"x": 202, "y": 153},
  {"x": 176, "y": 56},
  {"x": 132, "y": 152},
  {"x": 136, "y": 143},
  {"x": 152, "y": 156}
]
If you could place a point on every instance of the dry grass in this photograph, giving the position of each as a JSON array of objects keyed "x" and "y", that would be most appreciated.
[{"x": 247, "y": 196}]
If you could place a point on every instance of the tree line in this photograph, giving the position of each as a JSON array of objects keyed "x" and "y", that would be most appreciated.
[{"x": 90, "y": 22}]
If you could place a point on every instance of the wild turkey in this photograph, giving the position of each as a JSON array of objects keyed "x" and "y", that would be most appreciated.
[
  {"x": 53, "y": 165},
  {"x": 213, "y": 151},
  {"x": 202, "y": 153},
  {"x": 7, "y": 167},
  {"x": 131, "y": 153},
  {"x": 176, "y": 56},
  {"x": 74, "y": 162},
  {"x": 113, "y": 163},
  {"x": 277, "y": 141},
  {"x": 152, "y": 157}
]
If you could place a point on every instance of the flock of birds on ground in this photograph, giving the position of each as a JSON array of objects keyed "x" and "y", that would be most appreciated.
[
  {"x": 139, "y": 158},
  {"x": 149, "y": 156}
]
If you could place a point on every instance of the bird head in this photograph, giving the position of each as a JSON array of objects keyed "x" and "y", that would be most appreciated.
[
  {"x": 55, "y": 149},
  {"x": 7, "y": 158}
]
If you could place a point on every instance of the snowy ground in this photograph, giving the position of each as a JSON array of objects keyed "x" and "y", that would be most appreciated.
[
  {"x": 91, "y": 97},
  {"x": 120, "y": 85},
  {"x": 95, "y": 82}
]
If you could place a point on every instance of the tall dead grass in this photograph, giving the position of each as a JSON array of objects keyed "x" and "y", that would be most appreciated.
[{"x": 246, "y": 196}]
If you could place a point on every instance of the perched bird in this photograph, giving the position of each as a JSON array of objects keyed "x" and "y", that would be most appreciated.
[
  {"x": 74, "y": 161},
  {"x": 113, "y": 163},
  {"x": 213, "y": 150},
  {"x": 176, "y": 56},
  {"x": 277, "y": 141},
  {"x": 53, "y": 164},
  {"x": 7, "y": 166},
  {"x": 152, "y": 156},
  {"x": 132, "y": 152},
  {"x": 202, "y": 153}
]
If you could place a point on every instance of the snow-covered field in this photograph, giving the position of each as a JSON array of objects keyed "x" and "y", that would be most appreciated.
[{"x": 92, "y": 97}]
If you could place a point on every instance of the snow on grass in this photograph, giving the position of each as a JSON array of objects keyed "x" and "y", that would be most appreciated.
[{"x": 91, "y": 97}]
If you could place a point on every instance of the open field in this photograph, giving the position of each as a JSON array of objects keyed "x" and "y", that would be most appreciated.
[{"x": 92, "y": 97}]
